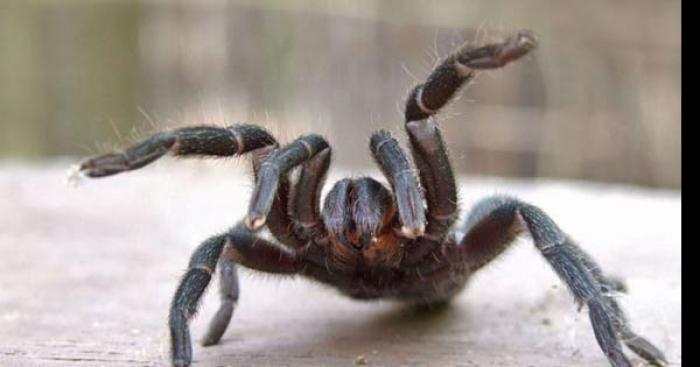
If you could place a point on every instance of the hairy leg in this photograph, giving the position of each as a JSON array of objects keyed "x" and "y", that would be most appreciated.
[
  {"x": 428, "y": 98},
  {"x": 437, "y": 179},
  {"x": 427, "y": 146},
  {"x": 436, "y": 176},
  {"x": 228, "y": 292},
  {"x": 187, "y": 296},
  {"x": 392, "y": 160},
  {"x": 239, "y": 246},
  {"x": 190, "y": 141},
  {"x": 275, "y": 168},
  {"x": 278, "y": 220},
  {"x": 493, "y": 225}
]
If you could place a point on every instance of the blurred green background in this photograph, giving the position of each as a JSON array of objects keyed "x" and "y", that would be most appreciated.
[{"x": 599, "y": 100}]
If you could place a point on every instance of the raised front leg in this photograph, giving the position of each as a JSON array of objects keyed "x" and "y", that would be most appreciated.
[
  {"x": 275, "y": 168},
  {"x": 228, "y": 292},
  {"x": 493, "y": 225},
  {"x": 427, "y": 146},
  {"x": 428, "y": 98},
  {"x": 187, "y": 296},
  {"x": 407, "y": 192}
]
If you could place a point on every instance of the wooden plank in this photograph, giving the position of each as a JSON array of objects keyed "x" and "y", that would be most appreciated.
[{"x": 88, "y": 273}]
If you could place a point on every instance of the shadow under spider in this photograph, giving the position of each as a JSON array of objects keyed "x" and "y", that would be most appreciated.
[{"x": 341, "y": 336}]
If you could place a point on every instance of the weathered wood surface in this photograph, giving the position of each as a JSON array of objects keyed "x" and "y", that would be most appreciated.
[{"x": 87, "y": 274}]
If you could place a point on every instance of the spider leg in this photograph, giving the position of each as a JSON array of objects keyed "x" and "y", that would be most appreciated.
[
  {"x": 306, "y": 197},
  {"x": 438, "y": 182},
  {"x": 273, "y": 169},
  {"x": 436, "y": 175},
  {"x": 190, "y": 141},
  {"x": 238, "y": 245},
  {"x": 279, "y": 221},
  {"x": 187, "y": 296},
  {"x": 428, "y": 98},
  {"x": 493, "y": 225},
  {"x": 228, "y": 292},
  {"x": 203, "y": 141},
  {"x": 635, "y": 342},
  {"x": 427, "y": 146},
  {"x": 392, "y": 160}
]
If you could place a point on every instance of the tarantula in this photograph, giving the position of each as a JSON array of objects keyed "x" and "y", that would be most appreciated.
[{"x": 369, "y": 241}]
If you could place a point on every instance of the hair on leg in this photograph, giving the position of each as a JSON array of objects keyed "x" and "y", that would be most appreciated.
[
  {"x": 456, "y": 69},
  {"x": 392, "y": 160},
  {"x": 274, "y": 168},
  {"x": 187, "y": 296},
  {"x": 427, "y": 146},
  {"x": 239, "y": 246},
  {"x": 228, "y": 292},
  {"x": 189, "y": 141},
  {"x": 493, "y": 225},
  {"x": 436, "y": 175}
]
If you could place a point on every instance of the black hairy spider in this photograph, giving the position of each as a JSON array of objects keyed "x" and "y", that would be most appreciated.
[{"x": 369, "y": 241}]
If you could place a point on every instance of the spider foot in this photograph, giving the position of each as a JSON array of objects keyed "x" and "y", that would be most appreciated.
[
  {"x": 497, "y": 55},
  {"x": 218, "y": 324},
  {"x": 255, "y": 221},
  {"x": 104, "y": 165},
  {"x": 643, "y": 348},
  {"x": 75, "y": 176}
]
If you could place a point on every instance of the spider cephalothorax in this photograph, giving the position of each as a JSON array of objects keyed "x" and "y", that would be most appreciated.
[{"x": 367, "y": 240}]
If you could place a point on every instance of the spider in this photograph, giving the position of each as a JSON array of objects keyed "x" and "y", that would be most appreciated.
[{"x": 370, "y": 241}]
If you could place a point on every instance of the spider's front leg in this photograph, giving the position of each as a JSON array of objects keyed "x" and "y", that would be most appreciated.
[
  {"x": 459, "y": 67},
  {"x": 496, "y": 222},
  {"x": 237, "y": 246},
  {"x": 426, "y": 143},
  {"x": 275, "y": 168},
  {"x": 409, "y": 201}
]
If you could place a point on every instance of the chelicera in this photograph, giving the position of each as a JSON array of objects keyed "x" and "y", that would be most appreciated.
[{"x": 368, "y": 240}]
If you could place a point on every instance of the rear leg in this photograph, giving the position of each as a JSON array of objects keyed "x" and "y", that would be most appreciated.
[
  {"x": 237, "y": 246},
  {"x": 228, "y": 292},
  {"x": 493, "y": 225}
]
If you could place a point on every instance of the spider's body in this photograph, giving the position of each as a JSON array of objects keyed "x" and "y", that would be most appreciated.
[{"x": 368, "y": 240}]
